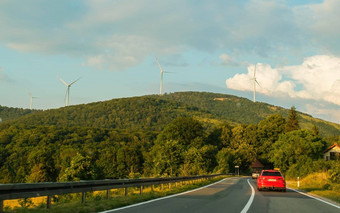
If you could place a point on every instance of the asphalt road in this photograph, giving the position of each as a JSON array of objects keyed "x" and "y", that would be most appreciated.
[{"x": 233, "y": 195}]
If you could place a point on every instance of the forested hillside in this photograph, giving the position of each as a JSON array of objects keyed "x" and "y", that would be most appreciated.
[
  {"x": 186, "y": 133},
  {"x": 137, "y": 113},
  {"x": 172, "y": 135},
  {"x": 154, "y": 112},
  {"x": 183, "y": 147},
  {"x": 8, "y": 113},
  {"x": 243, "y": 111}
]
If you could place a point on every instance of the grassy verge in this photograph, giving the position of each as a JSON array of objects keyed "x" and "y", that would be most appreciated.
[
  {"x": 318, "y": 184},
  {"x": 96, "y": 201}
]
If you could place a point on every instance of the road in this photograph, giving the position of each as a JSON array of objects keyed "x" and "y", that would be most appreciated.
[{"x": 233, "y": 195}]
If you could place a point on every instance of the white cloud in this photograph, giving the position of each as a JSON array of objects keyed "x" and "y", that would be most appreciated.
[
  {"x": 323, "y": 111},
  {"x": 318, "y": 77},
  {"x": 227, "y": 60},
  {"x": 320, "y": 23},
  {"x": 268, "y": 78},
  {"x": 123, "y": 33}
]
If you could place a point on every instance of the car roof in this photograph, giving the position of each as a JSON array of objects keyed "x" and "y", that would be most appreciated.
[{"x": 270, "y": 171}]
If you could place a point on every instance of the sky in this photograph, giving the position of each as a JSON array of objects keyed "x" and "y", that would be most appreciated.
[{"x": 210, "y": 46}]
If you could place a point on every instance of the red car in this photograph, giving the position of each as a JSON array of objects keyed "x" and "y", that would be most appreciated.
[{"x": 271, "y": 179}]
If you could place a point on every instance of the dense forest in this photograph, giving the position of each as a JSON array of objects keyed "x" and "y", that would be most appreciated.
[
  {"x": 183, "y": 147},
  {"x": 8, "y": 113},
  {"x": 154, "y": 112},
  {"x": 178, "y": 134}
]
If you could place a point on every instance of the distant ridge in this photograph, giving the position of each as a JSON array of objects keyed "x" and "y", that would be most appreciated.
[
  {"x": 153, "y": 112},
  {"x": 9, "y": 113}
]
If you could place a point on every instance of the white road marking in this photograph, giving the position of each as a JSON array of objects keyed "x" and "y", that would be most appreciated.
[
  {"x": 336, "y": 206},
  {"x": 250, "y": 201},
  {"x": 161, "y": 198}
]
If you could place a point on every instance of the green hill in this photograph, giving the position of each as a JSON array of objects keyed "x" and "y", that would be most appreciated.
[
  {"x": 153, "y": 135},
  {"x": 9, "y": 113},
  {"x": 153, "y": 112},
  {"x": 243, "y": 111}
]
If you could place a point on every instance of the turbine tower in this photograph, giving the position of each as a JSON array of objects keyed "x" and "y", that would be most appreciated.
[
  {"x": 67, "y": 96},
  {"x": 161, "y": 72},
  {"x": 255, "y": 82},
  {"x": 31, "y": 100}
]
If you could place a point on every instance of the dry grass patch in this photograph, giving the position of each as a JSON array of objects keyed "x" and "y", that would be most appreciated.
[{"x": 319, "y": 184}]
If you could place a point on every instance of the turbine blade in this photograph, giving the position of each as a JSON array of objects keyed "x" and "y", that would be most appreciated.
[
  {"x": 62, "y": 81},
  {"x": 255, "y": 71},
  {"x": 257, "y": 82},
  {"x": 159, "y": 65},
  {"x": 74, "y": 81}
]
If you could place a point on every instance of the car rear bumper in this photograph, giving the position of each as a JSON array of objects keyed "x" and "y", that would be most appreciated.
[{"x": 271, "y": 185}]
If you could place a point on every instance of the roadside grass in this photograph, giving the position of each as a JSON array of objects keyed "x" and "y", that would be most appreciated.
[
  {"x": 318, "y": 184},
  {"x": 96, "y": 201}
]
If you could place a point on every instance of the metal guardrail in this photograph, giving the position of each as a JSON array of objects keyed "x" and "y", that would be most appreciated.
[{"x": 28, "y": 190}]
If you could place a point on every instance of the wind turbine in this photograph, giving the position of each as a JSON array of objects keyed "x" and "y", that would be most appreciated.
[
  {"x": 255, "y": 82},
  {"x": 162, "y": 71},
  {"x": 31, "y": 100},
  {"x": 67, "y": 96}
]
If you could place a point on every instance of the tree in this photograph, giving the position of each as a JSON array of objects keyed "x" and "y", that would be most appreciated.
[
  {"x": 269, "y": 131},
  {"x": 292, "y": 120},
  {"x": 315, "y": 130},
  {"x": 41, "y": 161},
  {"x": 294, "y": 146},
  {"x": 166, "y": 158},
  {"x": 129, "y": 159},
  {"x": 241, "y": 146},
  {"x": 81, "y": 168},
  {"x": 226, "y": 135},
  {"x": 224, "y": 160},
  {"x": 199, "y": 161},
  {"x": 183, "y": 129}
]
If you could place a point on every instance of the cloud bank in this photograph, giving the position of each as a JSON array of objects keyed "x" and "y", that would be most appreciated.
[
  {"x": 120, "y": 34},
  {"x": 317, "y": 78}
]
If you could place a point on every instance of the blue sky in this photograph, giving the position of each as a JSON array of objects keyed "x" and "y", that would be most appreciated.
[{"x": 207, "y": 45}]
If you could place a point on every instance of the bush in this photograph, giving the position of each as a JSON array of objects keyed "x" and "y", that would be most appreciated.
[
  {"x": 334, "y": 172},
  {"x": 305, "y": 166},
  {"x": 319, "y": 180}
]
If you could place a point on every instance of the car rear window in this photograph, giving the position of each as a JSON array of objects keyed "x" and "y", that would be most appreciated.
[{"x": 271, "y": 174}]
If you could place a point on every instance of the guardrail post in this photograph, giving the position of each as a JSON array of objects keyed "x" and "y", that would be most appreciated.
[
  {"x": 1, "y": 206},
  {"x": 108, "y": 194},
  {"x": 162, "y": 187},
  {"x": 83, "y": 197},
  {"x": 170, "y": 186},
  {"x": 126, "y": 191},
  {"x": 48, "y": 202},
  {"x": 152, "y": 187},
  {"x": 141, "y": 190}
]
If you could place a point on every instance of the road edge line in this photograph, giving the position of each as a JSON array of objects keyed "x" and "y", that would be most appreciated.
[
  {"x": 332, "y": 204},
  {"x": 161, "y": 198},
  {"x": 250, "y": 201}
]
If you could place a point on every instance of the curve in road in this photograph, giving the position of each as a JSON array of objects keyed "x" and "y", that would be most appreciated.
[{"x": 232, "y": 195}]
